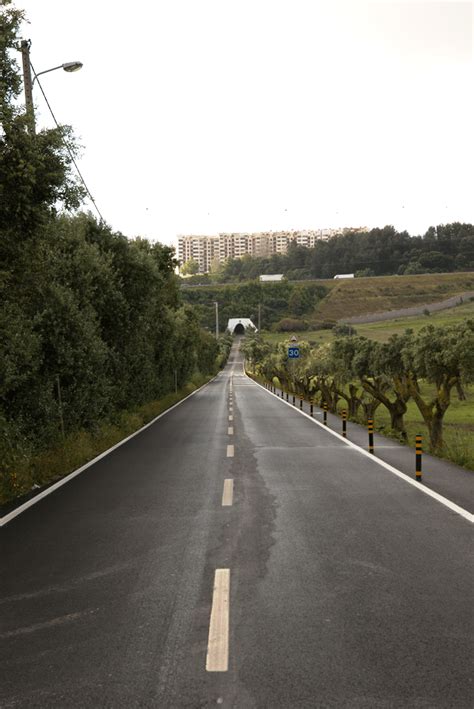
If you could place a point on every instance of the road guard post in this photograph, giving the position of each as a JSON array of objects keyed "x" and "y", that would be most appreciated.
[
  {"x": 370, "y": 427},
  {"x": 418, "y": 452},
  {"x": 325, "y": 414},
  {"x": 344, "y": 423}
]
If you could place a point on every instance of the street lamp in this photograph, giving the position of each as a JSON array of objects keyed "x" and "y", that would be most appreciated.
[
  {"x": 28, "y": 84},
  {"x": 217, "y": 319},
  {"x": 67, "y": 66}
]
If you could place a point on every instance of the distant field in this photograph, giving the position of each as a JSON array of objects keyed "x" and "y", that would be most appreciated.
[
  {"x": 361, "y": 296},
  {"x": 381, "y": 331}
]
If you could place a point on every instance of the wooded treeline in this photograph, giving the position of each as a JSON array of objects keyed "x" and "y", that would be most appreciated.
[
  {"x": 366, "y": 374},
  {"x": 377, "y": 252},
  {"x": 276, "y": 302},
  {"x": 91, "y": 323}
]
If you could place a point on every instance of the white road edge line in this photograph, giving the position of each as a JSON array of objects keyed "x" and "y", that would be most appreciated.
[
  {"x": 230, "y": 451},
  {"x": 230, "y": 430},
  {"x": 217, "y": 659},
  {"x": 231, "y": 418},
  {"x": 228, "y": 493},
  {"x": 419, "y": 486},
  {"x": 29, "y": 503}
]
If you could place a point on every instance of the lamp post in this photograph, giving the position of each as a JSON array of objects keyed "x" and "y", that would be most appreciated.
[
  {"x": 28, "y": 83},
  {"x": 217, "y": 319}
]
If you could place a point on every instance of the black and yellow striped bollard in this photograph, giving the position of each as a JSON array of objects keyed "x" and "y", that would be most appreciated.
[
  {"x": 418, "y": 452},
  {"x": 301, "y": 403},
  {"x": 287, "y": 396},
  {"x": 293, "y": 400},
  {"x": 370, "y": 427},
  {"x": 311, "y": 407},
  {"x": 344, "y": 423},
  {"x": 282, "y": 393},
  {"x": 325, "y": 414}
]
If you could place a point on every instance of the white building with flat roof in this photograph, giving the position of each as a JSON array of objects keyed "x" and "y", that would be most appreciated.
[{"x": 220, "y": 247}]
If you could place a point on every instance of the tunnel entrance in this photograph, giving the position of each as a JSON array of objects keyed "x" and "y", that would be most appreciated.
[{"x": 238, "y": 326}]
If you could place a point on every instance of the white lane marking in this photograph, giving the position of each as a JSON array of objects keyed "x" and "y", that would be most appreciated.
[
  {"x": 230, "y": 409},
  {"x": 228, "y": 492},
  {"x": 231, "y": 418},
  {"x": 230, "y": 431},
  {"x": 22, "y": 508},
  {"x": 230, "y": 451},
  {"x": 218, "y": 643},
  {"x": 47, "y": 624},
  {"x": 419, "y": 486}
]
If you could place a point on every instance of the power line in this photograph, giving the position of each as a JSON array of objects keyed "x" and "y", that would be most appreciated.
[{"x": 68, "y": 148}]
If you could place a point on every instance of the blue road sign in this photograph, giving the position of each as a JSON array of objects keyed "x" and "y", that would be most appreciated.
[{"x": 293, "y": 352}]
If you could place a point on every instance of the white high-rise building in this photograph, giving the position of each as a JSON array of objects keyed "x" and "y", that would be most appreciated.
[{"x": 206, "y": 249}]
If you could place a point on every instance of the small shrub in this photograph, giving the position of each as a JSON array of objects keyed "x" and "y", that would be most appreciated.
[
  {"x": 344, "y": 330},
  {"x": 290, "y": 325},
  {"x": 322, "y": 325}
]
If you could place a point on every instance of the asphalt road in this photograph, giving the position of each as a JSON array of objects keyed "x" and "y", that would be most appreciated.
[{"x": 348, "y": 586}]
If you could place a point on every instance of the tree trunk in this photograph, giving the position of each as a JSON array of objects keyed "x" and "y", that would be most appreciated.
[
  {"x": 325, "y": 393},
  {"x": 436, "y": 431},
  {"x": 397, "y": 411},
  {"x": 370, "y": 407},
  {"x": 354, "y": 401},
  {"x": 434, "y": 411}
]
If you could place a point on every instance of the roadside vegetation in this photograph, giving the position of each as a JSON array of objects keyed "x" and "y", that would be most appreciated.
[
  {"x": 94, "y": 336},
  {"x": 410, "y": 379}
]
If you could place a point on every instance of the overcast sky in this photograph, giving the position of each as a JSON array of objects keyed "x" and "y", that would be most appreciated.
[{"x": 200, "y": 116}]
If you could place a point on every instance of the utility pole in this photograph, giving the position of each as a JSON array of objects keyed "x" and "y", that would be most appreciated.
[
  {"x": 60, "y": 406},
  {"x": 27, "y": 83},
  {"x": 217, "y": 319}
]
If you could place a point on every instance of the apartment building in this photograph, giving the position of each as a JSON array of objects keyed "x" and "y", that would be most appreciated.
[
  {"x": 203, "y": 249},
  {"x": 206, "y": 249}
]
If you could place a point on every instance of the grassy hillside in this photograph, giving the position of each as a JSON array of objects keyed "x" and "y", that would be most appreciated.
[
  {"x": 322, "y": 300},
  {"x": 361, "y": 296},
  {"x": 381, "y": 331}
]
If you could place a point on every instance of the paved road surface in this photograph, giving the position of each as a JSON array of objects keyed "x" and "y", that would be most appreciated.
[{"x": 348, "y": 587}]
